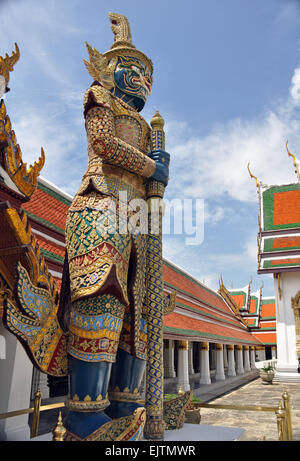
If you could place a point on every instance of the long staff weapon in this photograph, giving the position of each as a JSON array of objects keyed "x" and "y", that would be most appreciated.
[{"x": 154, "y": 428}]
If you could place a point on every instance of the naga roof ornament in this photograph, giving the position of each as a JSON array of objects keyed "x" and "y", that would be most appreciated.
[
  {"x": 252, "y": 176},
  {"x": 295, "y": 161},
  {"x": 10, "y": 152},
  {"x": 6, "y": 66},
  {"x": 101, "y": 66},
  {"x": 11, "y": 157}
]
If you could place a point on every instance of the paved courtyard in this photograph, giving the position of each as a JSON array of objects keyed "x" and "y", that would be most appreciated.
[{"x": 258, "y": 425}]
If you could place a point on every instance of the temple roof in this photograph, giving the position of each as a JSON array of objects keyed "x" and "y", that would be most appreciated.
[
  {"x": 265, "y": 331},
  {"x": 279, "y": 233},
  {"x": 201, "y": 314},
  {"x": 48, "y": 206},
  {"x": 259, "y": 313}
]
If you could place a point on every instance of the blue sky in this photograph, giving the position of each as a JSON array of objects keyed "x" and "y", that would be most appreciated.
[{"x": 226, "y": 80}]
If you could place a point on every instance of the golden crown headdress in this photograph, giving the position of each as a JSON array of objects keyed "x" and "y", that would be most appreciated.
[{"x": 101, "y": 66}]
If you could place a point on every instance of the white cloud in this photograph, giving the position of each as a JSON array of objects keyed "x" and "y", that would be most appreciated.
[
  {"x": 38, "y": 28},
  {"x": 213, "y": 215},
  {"x": 295, "y": 86},
  {"x": 216, "y": 164},
  {"x": 64, "y": 163}
]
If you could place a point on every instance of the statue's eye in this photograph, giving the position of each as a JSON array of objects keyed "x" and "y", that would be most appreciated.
[
  {"x": 135, "y": 69},
  {"x": 149, "y": 80}
]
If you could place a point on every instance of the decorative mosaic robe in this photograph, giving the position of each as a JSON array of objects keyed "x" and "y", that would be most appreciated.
[{"x": 106, "y": 262}]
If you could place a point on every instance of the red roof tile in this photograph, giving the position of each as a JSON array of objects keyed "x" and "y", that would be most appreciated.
[
  {"x": 221, "y": 332},
  {"x": 48, "y": 208},
  {"x": 50, "y": 246},
  {"x": 186, "y": 283}
]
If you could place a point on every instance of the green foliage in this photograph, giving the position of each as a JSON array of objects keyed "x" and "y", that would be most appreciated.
[
  {"x": 170, "y": 396},
  {"x": 174, "y": 396},
  {"x": 267, "y": 368}
]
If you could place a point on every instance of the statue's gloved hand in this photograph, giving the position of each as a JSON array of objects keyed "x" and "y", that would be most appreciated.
[{"x": 162, "y": 161}]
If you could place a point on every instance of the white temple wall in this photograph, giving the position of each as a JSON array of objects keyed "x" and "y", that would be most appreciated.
[
  {"x": 287, "y": 363},
  {"x": 15, "y": 379}
]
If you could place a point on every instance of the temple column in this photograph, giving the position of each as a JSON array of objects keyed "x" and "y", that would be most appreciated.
[
  {"x": 169, "y": 367},
  {"x": 190, "y": 358},
  {"x": 240, "y": 365},
  {"x": 261, "y": 353},
  {"x": 225, "y": 356},
  {"x": 204, "y": 364},
  {"x": 252, "y": 358},
  {"x": 165, "y": 358},
  {"x": 246, "y": 359},
  {"x": 231, "y": 361},
  {"x": 220, "y": 376},
  {"x": 199, "y": 358},
  {"x": 212, "y": 363},
  {"x": 183, "y": 366}
]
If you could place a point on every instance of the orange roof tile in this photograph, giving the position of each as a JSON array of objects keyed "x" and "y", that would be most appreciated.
[
  {"x": 211, "y": 311},
  {"x": 266, "y": 337},
  {"x": 286, "y": 207},
  {"x": 58, "y": 282},
  {"x": 286, "y": 242},
  {"x": 50, "y": 246},
  {"x": 48, "y": 208},
  {"x": 189, "y": 285},
  {"x": 238, "y": 299},
  {"x": 218, "y": 332},
  {"x": 268, "y": 310}
]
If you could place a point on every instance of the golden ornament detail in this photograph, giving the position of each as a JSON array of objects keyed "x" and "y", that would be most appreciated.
[{"x": 7, "y": 63}]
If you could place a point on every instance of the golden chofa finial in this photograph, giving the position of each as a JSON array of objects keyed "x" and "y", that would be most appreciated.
[
  {"x": 221, "y": 283},
  {"x": 295, "y": 161},
  {"x": 6, "y": 66},
  {"x": 252, "y": 176}
]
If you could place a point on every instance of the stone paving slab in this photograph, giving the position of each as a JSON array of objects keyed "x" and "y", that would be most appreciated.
[{"x": 258, "y": 425}]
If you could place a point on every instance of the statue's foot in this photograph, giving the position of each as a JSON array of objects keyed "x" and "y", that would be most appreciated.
[
  {"x": 128, "y": 428},
  {"x": 118, "y": 409},
  {"x": 83, "y": 424}
]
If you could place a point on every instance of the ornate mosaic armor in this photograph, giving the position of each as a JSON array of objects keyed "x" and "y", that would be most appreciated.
[{"x": 104, "y": 263}]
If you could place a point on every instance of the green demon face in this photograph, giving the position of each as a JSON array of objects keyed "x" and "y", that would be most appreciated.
[{"x": 133, "y": 78}]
